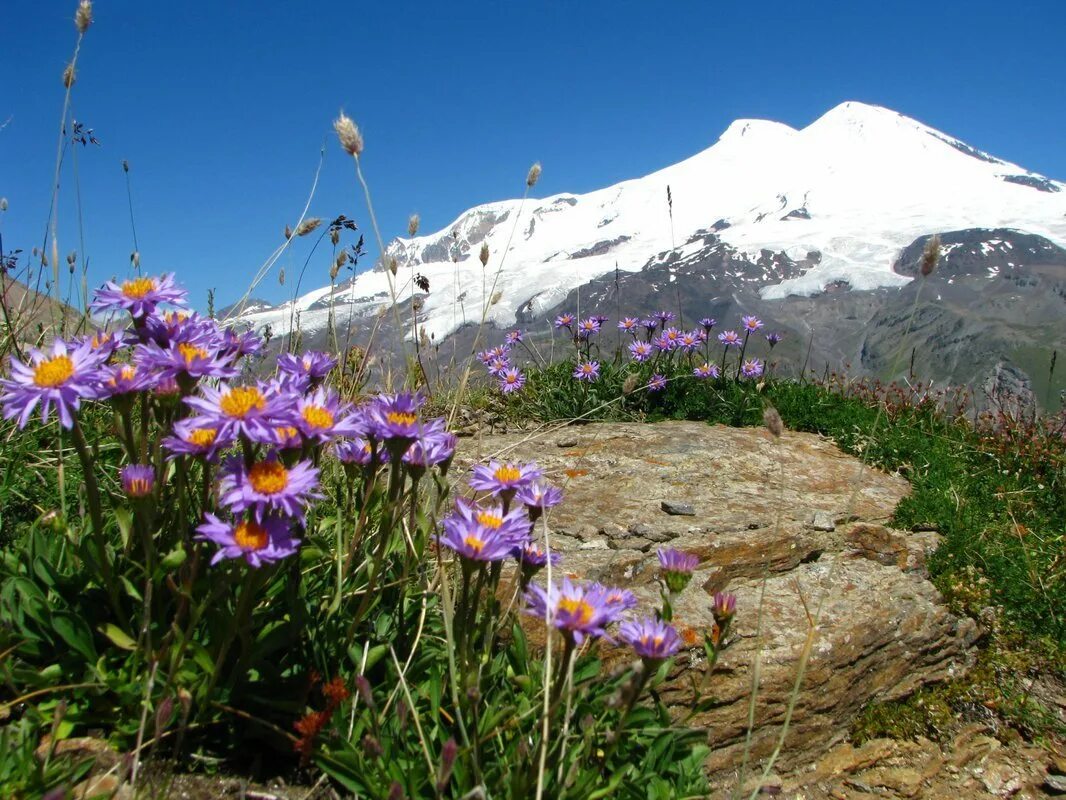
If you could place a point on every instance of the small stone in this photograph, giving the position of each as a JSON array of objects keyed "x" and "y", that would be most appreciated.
[
  {"x": 821, "y": 521},
  {"x": 1056, "y": 784},
  {"x": 567, "y": 441},
  {"x": 640, "y": 529},
  {"x": 925, "y": 527},
  {"x": 677, "y": 509}
]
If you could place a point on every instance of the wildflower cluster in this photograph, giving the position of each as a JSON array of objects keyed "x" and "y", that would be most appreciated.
[{"x": 497, "y": 362}]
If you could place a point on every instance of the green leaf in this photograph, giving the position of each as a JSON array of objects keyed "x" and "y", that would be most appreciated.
[
  {"x": 73, "y": 630},
  {"x": 174, "y": 559},
  {"x": 117, "y": 636},
  {"x": 125, "y": 524}
]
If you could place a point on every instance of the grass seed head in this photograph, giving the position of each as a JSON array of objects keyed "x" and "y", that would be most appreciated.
[
  {"x": 484, "y": 253},
  {"x": 83, "y": 17},
  {"x": 412, "y": 224},
  {"x": 773, "y": 422},
  {"x": 533, "y": 176},
  {"x": 68, "y": 76},
  {"x": 348, "y": 134},
  {"x": 307, "y": 226},
  {"x": 930, "y": 256}
]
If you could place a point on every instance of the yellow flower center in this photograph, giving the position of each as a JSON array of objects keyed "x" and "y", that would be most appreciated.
[
  {"x": 138, "y": 288},
  {"x": 203, "y": 437},
  {"x": 239, "y": 401},
  {"x": 139, "y": 487},
  {"x": 190, "y": 352},
  {"x": 580, "y": 608},
  {"x": 507, "y": 474},
  {"x": 474, "y": 543},
  {"x": 250, "y": 536},
  {"x": 489, "y": 520},
  {"x": 172, "y": 317},
  {"x": 286, "y": 432},
  {"x": 53, "y": 372},
  {"x": 268, "y": 477},
  {"x": 318, "y": 417},
  {"x": 511, "y": 377},
  {"x": 99, "y": 340},
  {"x": 401, "y": 418}
]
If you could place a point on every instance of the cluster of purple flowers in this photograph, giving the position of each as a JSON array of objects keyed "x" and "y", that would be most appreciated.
[{"x": 497, "y": 362}]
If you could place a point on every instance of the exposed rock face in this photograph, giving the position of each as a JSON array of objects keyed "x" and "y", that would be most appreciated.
[{"x": 882, "y": 630}]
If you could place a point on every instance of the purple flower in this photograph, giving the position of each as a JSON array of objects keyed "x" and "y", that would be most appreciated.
[
  {"x": 288, "y": 437},
  {"x": 435, "y": 446},
  {"x": 564, "y": 321},
  {"x": 651, "y": 639},
  {"x": 513, "y": 337},
  {"x": 254, "y": 411},
  {"x": 751, "y": 324},
  {"x": 534, "y": 557},
  {"x": 268, "y": 485},
  {"x": 579, "y": 611},
  {"x": 588, "y": 327},
  {"x": 773, "y": 339},
  {"x": 261, "y": 541},
  {"x": 511, "y": 380},
  {"x": 321, "y": 416},
  {"x": 124, "y": 379},
  {"x": 190, "y": 439},
  {"x": 629, "y": 325},
  {"x": 355, "y": 451},
  {"x": 672, "y": 337},
  {"x": 138, "y": 480},
  {"x": 599, "y": 318},
  {"x": 650, "y": 325},
  {"x": 752, "y": 368},
  {"x": 484, "y": 533},
  {"x": 587, "y": 371},
  {"x": 707, "y": 371},
  {"x": 312, "y": 364},
  {"x": 246, "y": 343},
  {"x": 538, "y": 495},
  {"x": 665, "y": 316},
  {"x": 183, "y": 358},
  {"x": 394, "y": 417},
  {"x": 729, "y": 338},
  {"x": 640, "y": 351},
  {"x": 707, "y": 323},
  {"x": 139, "y": 296},
  {"x": 497, "y": 478},
  {"x": 617, "y": 599},
  {"x": 179, "y": 326},
  {"x": 677, "y": 568},
  {"x": 61, "y": 377},
  {"x": 107, "y": 342},
  {"x": 724, "y": 608},
  {"x": 498, "y": 366},
  {"x": 689, "y": 341},
  {"x": 656, "y": 383}
]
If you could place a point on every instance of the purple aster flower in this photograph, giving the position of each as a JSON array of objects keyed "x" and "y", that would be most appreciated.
[
  {"x": 689, "y": 341},
  {"x": 773, "y": 339},
  {"x": 656, "y": 383},
  {"x": 729, "y": 338},
  {"x": 253, "y": 411},
  {"x": 640, "y": 351},
  {"x": 179, "y": 326},
  {"x": 435, "y": 446},
  {"x": 513, "y": 337},
  {"x": 564, "y": 321},
  {"x": 650, "y": 325},
  {"x": 617, "y": 599},
  {"x": 498, "y": 366},
  {"x": 261, "y": 541},
  {"x": 106, "y": 343},
  {"x": 182, "y": 358},
  {"x": 246, "y": 343},
  {"x": 61, "y": 377},
  {"x": 394, "y": 417},
  {"x": 588, "y": 327},
  {"x": 752, "y": 368},
  {"x": 536, "y": 558},
  {"x": 751, "y": 324},
  {"x": 538, "y": 495},
  {"x": 191, "y": 439},
  {"x": 312, "y": 365},
  {"x": 485, "y": 357},
  {"x": 600, "y": 318},
  {"x": 673, "y": 336},
  {"x": 587, "y": 371},
  {"x": 629, "y": 325},
  {"x": 724, "y": 608},
  {"x": 288, "y": 437},
  {"x": 707, "y": 323},
  {"x": 322, "y": 416},
  {"x": 139, "y": 296},
  {"x": 511, "y": 380},
  {"x": 579, "y": 611},
  {"x": 501, "y": 479},
  {"x": 484, "y": 533},
  {"x": 355, "y": 451},
  {"x": 138, "y": 480},
  {"x": 707, "y": 371},
  {"x": 677, "y": 568},
  {"x": 268, "y": 485},
  {"x": 663, "y": 344},
  {"x": 167, "y": 389},
  {"x": 651, "y": 639},
  {"x": 122, "y": 379},
  {"x": 665, "y": 316}
]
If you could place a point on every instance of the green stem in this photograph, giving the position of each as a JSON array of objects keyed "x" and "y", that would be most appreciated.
[{"x": 92, "y": 492}]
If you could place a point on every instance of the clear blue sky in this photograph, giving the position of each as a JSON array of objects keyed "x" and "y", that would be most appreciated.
[{"x": 222, "y": 108}]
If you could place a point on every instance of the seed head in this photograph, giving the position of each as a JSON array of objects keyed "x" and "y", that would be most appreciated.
[
  {"x": 342, "y": 259},
  {"x": 68, "y": 76},
  {"x": 72, "y": 256},
  {"x": 484, "y": 253},
  {"x": 307, "y": 226},
  {"x": 630, "y": 383},
  {"x": 533, "y": 176},
  {"x": 125, "y": 165},
  {"x": 412, "y": 225},
  {"x": 348, "y": 134},
  {"x": 83, "y": 17},
  {"x": 288, "y": 233},
  {"x": 773, "y": 422},
  {"x": 281, "y": 276},
  {"x": 930, "y": 256},
  {"x": 333, "y": 272},
  {"x": 495, "y": 298},
  {"x": 135, "y": 259},
  {"x": 335, "y": 235},
  {"x": 393, "y": 266}
]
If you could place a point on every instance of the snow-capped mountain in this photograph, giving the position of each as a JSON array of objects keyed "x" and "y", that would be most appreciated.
[{"x": 831, "y": 205}]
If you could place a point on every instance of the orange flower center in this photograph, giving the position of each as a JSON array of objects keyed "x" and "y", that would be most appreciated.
[
  {"x": 401, "y": 417},
  {"x": 268, "y": 477},
  {"x": 239, "y": 401},
  {"x": 190, "y": 352},
  {"x": 172, "y": 317},
  {"x": 139, "y": 487},
  {"x": 202, "y": 437},
  {"x": 137, "y": 288},
  {"x": 99, "y": 340},
  {"x": 474, "y": 543},
  {"x": 250, "y": 536},
  {"x": 53, "y": 372},
  {"x": 286, "y": 432},
  {"x": 489, "y": 520},
  {"x": 507, "y": 474},
  {"x": 511, "y": 378},
  {"x": 318, "y": 417},
  {"x": 580, "y": 608}
]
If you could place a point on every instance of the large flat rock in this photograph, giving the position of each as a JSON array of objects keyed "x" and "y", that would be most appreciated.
[{"x": 794, "y": 514}]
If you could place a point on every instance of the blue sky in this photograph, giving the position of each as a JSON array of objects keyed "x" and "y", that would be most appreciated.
[{"x": 222, "y": 108}]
